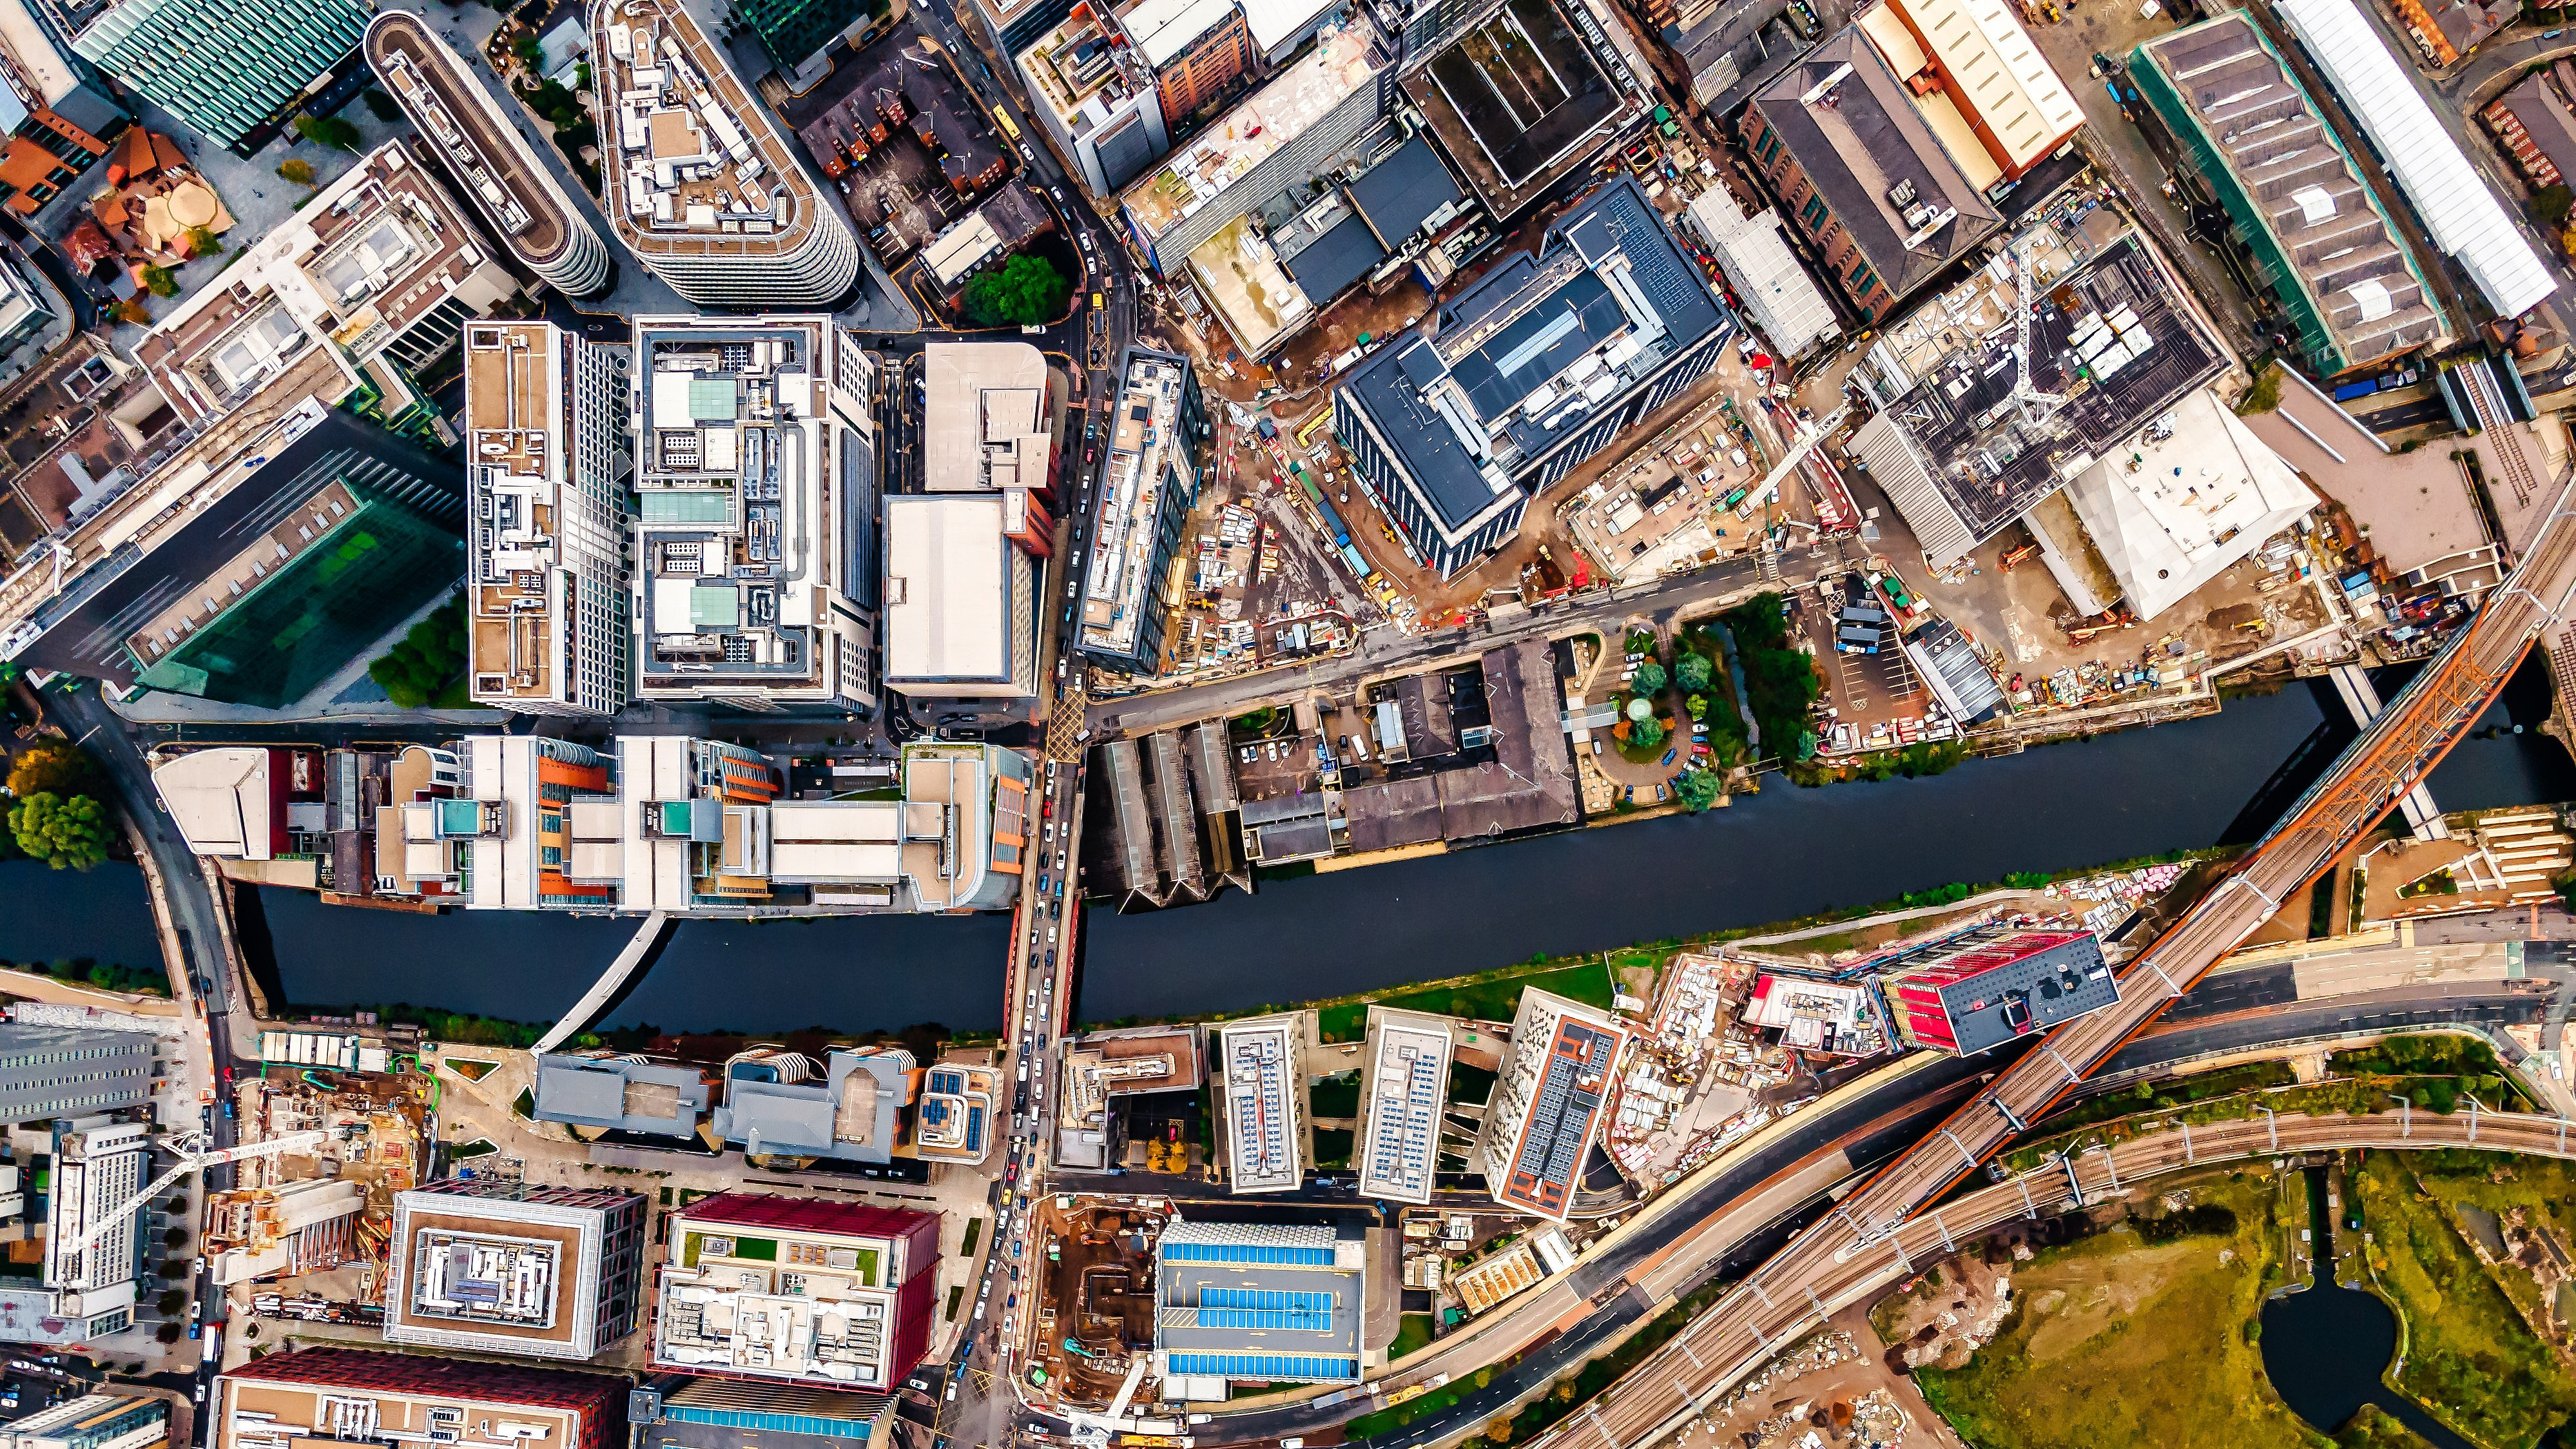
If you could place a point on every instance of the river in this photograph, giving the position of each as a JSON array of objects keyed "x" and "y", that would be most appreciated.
[{"x": 1785, "y": 852}]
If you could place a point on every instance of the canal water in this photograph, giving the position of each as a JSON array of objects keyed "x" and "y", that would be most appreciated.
[
  {"x": 1785, "y": 852},
  {"x": 2326, "y": 1345}
]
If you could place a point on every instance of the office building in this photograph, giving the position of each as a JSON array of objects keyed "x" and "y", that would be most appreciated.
[
  {"x": 610, "y": 1092},
  {"x": 961, "y": 610},
  {"x": 2192, "y": 496},
  {"x": 1529, "y": 371},
  {"x": 1096, "y": 96},
  {"x": 1260, "y": 1093},
  {"x": 59, "y": 1071},
  {"x": 1003, "y": 225},
  {"x": 1987, "y": 986},
  {"x": 756, "y": 486},
  {"x": 1288, "y": 132},
  {"x": 796, "y": 31},
  {"x": 1196, "y": 49},
  {"x": 67, "y": 112},
  {"x": 683, "y": 1411},
  {"x": 486, "y": 157},
  {"x": 94, "y": 1421},
  {"x": 1156, "y": 440},
  {"x": 239, "y": 92},
  {"x": 349, "y": 1395},
  {"x": 1978, "y": 81},
  {"x": 1267, "y": 1302},
  {"x": 992, "y": 418},
  {"x": 700, "y": 183},
  {"x": 1969, "y": 437},
  {"x": 1520, "y": 95},
  {"x": 483, "y": 1265},
  {"x": 92, "y": 418},
  {"x": 1404, "y": 1088},
  {"x": 31, "y": 309},
  {"x": 2348, "y": 284},
  {"x": 1781, "y": 299},
  {"x": 240, "y": 802},
  {"x": 504, "y": 841},
  {"x": 2452, "y": 199},
  {"x": 546, "y": 589},
  {"x": 1405, "y": 206},
  {"x": 954, "y": 1120},
  {"x": 801, "y": 1292},
  {"x": 1883, "y": 203},
  {"x": 851, "y": 1107},
  {"x": 96, "y": 1169},
  {"x": 1103, "y": 1066},
  {"x": 374, "y": 278},
  {"x": 1539, "y": 1123},
  {"x": 306, "y": 1226}
]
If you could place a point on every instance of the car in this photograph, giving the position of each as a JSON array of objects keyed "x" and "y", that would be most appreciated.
[
  {"x": 1051, "y": 935},
  {"x": 1668, "y": 755},
  {"x": 1011, "y": 1173},
  {"x": 1042, "y": 886}
]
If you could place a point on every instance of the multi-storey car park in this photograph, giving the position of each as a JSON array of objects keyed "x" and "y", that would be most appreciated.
[
  {"x": 1147, "y": 488},
  {"x": 487, "y": 156},
  {"x": 1261, "y": 1090},
  {"x": 1521, "y": 377},
  {"x": 1266, "y": 1302},
  {"x": 756, "y": 485},
  {"x": 699, "y": 182},
  {"x": 1404, "y": 1087},
  {"x": 1547, "y": 1102},
  {"x": 546, "y": 587}
]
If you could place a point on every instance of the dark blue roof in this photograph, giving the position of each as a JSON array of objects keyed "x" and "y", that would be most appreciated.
[
  {"x": 1331, "y": 262},
  {"x": 1539, "y": 344},
  {"x": 1399, "y": 193}
]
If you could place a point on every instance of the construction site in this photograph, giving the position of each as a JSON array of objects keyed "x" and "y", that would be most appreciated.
[
  {"x": 315, "y": 1222},
  {"x": 1093, "y": 1272}
]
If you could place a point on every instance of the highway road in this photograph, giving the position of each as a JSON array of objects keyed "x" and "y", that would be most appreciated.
[{"x": 1720, "y": 1347}]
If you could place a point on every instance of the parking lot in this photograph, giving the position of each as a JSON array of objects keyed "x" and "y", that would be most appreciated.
[{"x": 1877, "y": 699}]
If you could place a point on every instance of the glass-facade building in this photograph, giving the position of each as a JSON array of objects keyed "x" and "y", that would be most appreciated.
[{"x": 231, "y": 69}]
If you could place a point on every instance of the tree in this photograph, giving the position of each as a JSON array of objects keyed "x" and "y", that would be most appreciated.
[
  {"x": 531, "y": 54},
  {"x": 1651, "y": 677},
  {"x": 202, "y": 242},
  {"x": 1694, "y": 671},
  {"x": 176, "y": 1237},
  {"x": 1697, "y": 704},
  {"x": 55, "y": 765},
  {"x": 1646, "y": 733},
  {"x": 426, "y": 660},
  {"x": 64, "y": 832},
  {"x": 382, "y": 106},
  {"x": 170, "y": 1301},
  {"x": 297, "y": 170},
  {"x": 2264, "y": 395},
  {"x": 132, "y": 312},
  {"x": 1697, "y": 789},
  {"x": 1024, "y": 291},
  {"x": 160, "y": 281},
  {"x": 167, "y": 1333},
  {"x": 2553, "y": 203},
  {"x": 329, "y": 131}
]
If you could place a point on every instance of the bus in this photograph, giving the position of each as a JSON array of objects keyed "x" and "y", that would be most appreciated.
[{"x": 1002, "y": 118}]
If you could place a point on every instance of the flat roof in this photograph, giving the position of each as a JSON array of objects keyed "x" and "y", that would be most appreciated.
[
  {"x": 1988, "y": 64},
  {"x": 1519, "y": 100},
  {"x": 461, "y": 124},
  {"x": 2004, "y": 983},
  {"x": 1260, "y": 1091},
  {"x": 2286, "y": 171},
  {"x": 1399, "y": 195},
  {"x": 1780, "y": 294},
  {"x": 219, "y": 799},
  {"x": 1405, "y": 1096},
  {"x": 1282, "y": 1302},
  {"x": 948, "y": 588},
  {"x": 1149, "y": 459},
  {"x": 1162, "y": 29},
  {"x": 1275, "y": 115},
  {"x": 986, "y": 416},
  {"x": 2195, "y": 493},
  {"x": 695, "y": 165}
]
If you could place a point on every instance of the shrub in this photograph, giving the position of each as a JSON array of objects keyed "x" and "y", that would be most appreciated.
[
  {"x": 2264, "y": 395},
  {"x": 297, "y": 170},
  {"x": 1646, "y": 733},
  {"x": 202, "y": 242},
  {"x": 2552, "y": 202}
]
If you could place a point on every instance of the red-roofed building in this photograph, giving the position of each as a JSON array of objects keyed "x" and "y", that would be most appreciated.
[
  {"x": 846, "y": 1289},
  {"x": 361, "y": 1396},
  {"x": 1989, "y": 986}
]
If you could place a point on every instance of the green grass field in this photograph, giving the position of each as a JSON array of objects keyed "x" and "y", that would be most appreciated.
[
  {"x": 2112, "y": 1343},
  {"x": 1490, "y": 998},
  {"x": 1413, "y": 1333},
  {"x": 2470, "y": 1357}
]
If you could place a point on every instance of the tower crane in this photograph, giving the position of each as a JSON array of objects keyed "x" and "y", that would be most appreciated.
[
  {"x": 2036, "y": 406},
  {"x": 193, "y": 1154}
]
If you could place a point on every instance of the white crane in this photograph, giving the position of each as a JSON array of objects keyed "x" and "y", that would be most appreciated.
[
  {"x": 190, "y": 1148},
  {"x": 2036, "y": 406}
]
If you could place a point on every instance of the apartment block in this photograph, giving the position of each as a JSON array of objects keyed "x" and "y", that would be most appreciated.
[
  {"x": 684, "y": 1411},
  {"x": 95, "y": 1421},
  {"x": 796, "y": 1291},
  {"x": 95, "y": 1169},
  {"x": 61, "y": 1071},
  {"x": 547, "y": 589},
  {"x": 1157, "y": 437},
  {"x": 1546, "y": 1106},
  {"x": 1404, "y": 1090},
  {"x": 954, "y": 1119},
  {"x": 487, "y": 1266},
  {"x": 701, "y": 184},
  {"x": 287, "y": 1400},
  {"x": 69, "y": 112},
  {"x": 1195, "y": 49},
  {"x": 756, "y": 479},
  {"x": 238, "y": 93},
  {"x": 488, "y": 159},
  {"x": 1096, "y": 96},
  {"x": 1260, "y": 1088},
  {"x": 1982, "y": 988}
]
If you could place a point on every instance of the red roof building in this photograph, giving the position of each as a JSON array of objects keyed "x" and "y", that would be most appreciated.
[
  {"x": 1989, "y": 986},
  {"x": 348, "y": 1393},
  {"x": 859, "y": 1309}
]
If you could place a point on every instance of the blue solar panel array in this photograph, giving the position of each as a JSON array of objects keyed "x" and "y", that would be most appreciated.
[
  {"x": 1265, "y": 1366},
  {"x": 1245, "y": 1253},
  {"x": 754, "y": 1419},
  {"x": 1265, "y": 1308}
]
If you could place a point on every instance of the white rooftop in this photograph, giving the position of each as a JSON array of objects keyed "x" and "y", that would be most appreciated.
[
  {"x": 1161, "y": 29},
  {"x": 219, "y": 798},
  {"x": 946, "y": 586},
  {"x": 2169, "y": 514},
  {"x": 1982, "y": 48},
  {"x": 1785, "y": 303}
]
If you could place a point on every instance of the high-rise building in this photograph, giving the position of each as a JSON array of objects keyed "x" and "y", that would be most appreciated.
[
  {"x": 700, "y": 184},
  {"x": 1979, "y": 989},
  {"x": 796, "y": 31},
  {"x": 546, "y": 595},
  {"x": 798, "y": 1291},
  {"x": 755, "y": 565},
  {"x": 485, "y": 155},
  {"x": 67, "y": 114},
  {"x": 484, "y": 1265},
  {"x": 96, "y": 1169},
  {"x": 504, "y": 840},
  {"x": 234, "y": 71},
  {"x": 1404, "y": 1091},
  {"x": 1156, "y": 438},
  {"x": 1260, "y": 1089},
  {"x": 304, "y": 1226},
  {"x": 1518, "y": 379},
  {"x": 355, "y": 1396},
  {"x": 1546, "y": 1105},
  {"x": 1096, "y": 95},
  {"x": 62, "y": 1071},
  {"x": 95, "y": 1421}
]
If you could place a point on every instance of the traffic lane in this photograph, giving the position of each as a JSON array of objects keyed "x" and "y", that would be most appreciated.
[{"x": 2487, "y": 1004}]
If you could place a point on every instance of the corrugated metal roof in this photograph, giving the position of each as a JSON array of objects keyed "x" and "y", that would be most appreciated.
[{"x": 2455, "y": 205}]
